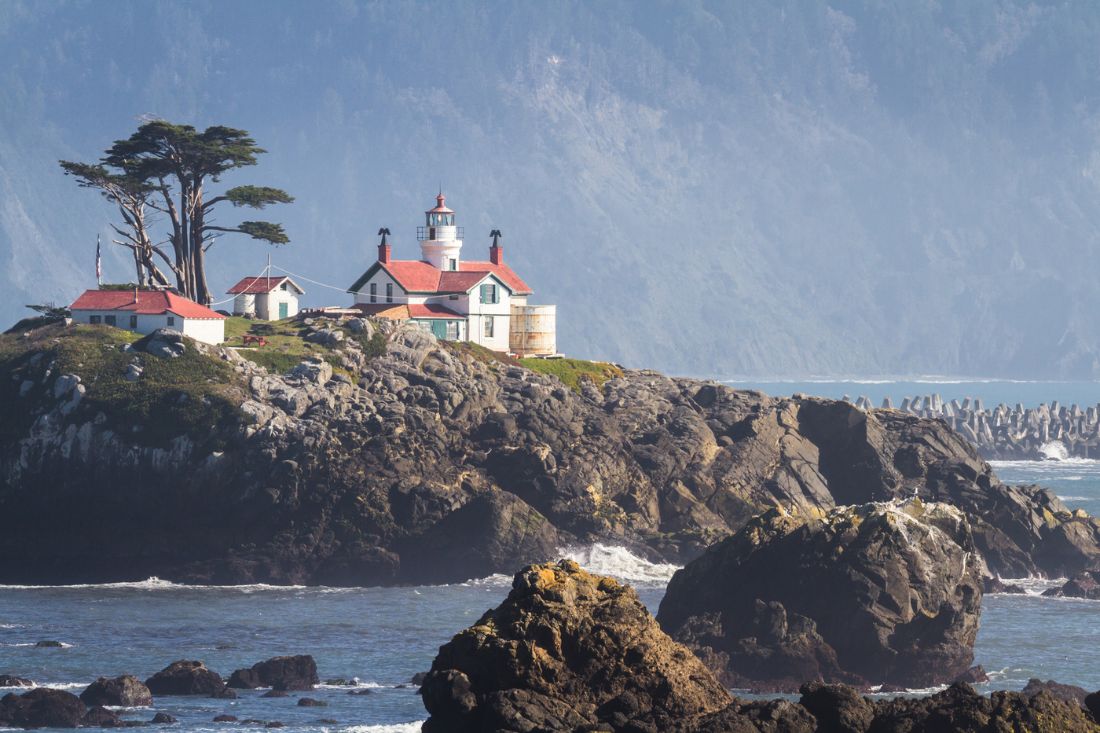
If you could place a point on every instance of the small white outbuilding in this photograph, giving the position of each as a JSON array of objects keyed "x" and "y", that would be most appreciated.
[
  {"x": 144, "y": 311},
  {"x": 266, "y": 298}
]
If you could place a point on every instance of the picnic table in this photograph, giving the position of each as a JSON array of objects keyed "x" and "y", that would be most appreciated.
[{"x": 250, "y": 338}]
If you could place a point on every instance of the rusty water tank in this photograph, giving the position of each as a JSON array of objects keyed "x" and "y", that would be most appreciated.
[{"x": 534, "y": 330}]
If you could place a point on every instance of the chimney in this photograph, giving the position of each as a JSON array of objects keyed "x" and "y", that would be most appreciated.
[
  {"x": 135, "y": 295},
  {"x": 496, "y": 254},
  {"x": 384, "y": 251}
]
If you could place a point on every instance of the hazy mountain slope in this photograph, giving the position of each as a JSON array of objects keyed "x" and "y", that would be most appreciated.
[{"x": 761, "y": 189}]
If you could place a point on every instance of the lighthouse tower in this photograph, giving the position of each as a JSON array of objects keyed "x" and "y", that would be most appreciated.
[{"x": 440, "y": 239}]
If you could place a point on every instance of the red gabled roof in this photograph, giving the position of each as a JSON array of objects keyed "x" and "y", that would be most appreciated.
[
  {"x": 432, "y": 310},
  {"x": 418, "y": 276},
  {"x": 147, "y": 302},
  {"x": 404, "y": 312},
  {"x": 258, "y": 285},
  {"x": 505, "y": 273}
]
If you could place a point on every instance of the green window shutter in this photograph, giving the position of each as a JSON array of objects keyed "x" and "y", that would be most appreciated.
[
  {"x": 439, "y": 329},
  {"x": 485, "y": 293}
]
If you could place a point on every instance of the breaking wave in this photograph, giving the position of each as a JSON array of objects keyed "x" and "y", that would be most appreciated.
[{"x": 619, "y": 563}]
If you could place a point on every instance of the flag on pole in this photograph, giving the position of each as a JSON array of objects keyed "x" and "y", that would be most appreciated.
[{"x": 98, "y": 263}]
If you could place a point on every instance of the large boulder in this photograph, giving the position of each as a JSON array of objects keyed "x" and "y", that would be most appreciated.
[
  {"x": 280, "y": 673},
  {"x": 566, "y": 650},
  {"x": 1083, "y": 585},
  {"x": 186, "y": 678},
  {"x": 167, "y": 343},
  {"x": 41, "y": 708},
  {"x": 125, "y": 691},
  {"x": 877, "y": 593}
]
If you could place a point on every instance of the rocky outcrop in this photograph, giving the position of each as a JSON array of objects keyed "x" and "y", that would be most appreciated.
[
  {"x": 566, "y": 650},
  {"x": 125, "y": 691},
  {"x": 886, "y": 593},
  {"x": 7, "y": 680},
  {"x": 570, "y": 652},
  {"x": 1069, "y": 693},
  {"x": 186, "y": 678},
  {"x": 41, "y": 708},
  {"x": 349, "y": 468},
  {"x": 279, "y": 673},
  {"x": 1082, "y": 585}
]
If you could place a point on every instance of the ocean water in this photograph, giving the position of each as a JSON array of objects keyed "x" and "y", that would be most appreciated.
[{"x": 382, "y": 636}]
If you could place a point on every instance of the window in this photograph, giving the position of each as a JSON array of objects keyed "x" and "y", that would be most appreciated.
[
  {"x": 171, "y": 320},
  {"x": 489, "y": 293},
  {"x": 133, "y": 323},
  {"x": 109, "y": 320},
  {"x": 452, "y": 330},
  {"x": 282, "y": 287},
  {"x": 452, "y": 297},
  {"x": 374, "y": 292},
  {"x": 487, "y": 329},
  {"x": 94, "y": 319},
  {"x": 453, "y": 264},
  {"x": 389, "y": 292}
]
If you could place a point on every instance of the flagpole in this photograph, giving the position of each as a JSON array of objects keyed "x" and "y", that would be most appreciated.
[{"x": 98, "y": 263}]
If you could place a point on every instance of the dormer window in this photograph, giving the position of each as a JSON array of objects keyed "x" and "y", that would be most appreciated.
[{"x": 452, "y": 264}]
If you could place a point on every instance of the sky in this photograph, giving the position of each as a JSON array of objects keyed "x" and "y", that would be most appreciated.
[{"x": 750, "y": 189}]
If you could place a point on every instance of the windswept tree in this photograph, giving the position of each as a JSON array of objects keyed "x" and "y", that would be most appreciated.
[
  {"x": 173, "y": 166},
  {"x": 131, "y": 196}
]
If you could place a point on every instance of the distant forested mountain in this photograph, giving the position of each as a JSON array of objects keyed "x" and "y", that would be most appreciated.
[{"x": 754, "y": 188}]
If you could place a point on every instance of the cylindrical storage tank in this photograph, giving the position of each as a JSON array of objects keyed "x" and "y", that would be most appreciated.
[
  {"x": 244, "y": 305},
  {"x": 534, "y": 330}
]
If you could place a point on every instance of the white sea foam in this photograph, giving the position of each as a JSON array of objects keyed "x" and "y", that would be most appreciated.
[
  {"x": 619, "y": 562},
  {"x": 1033, "y": 586},
  {"x": 358, "y": 686},
  {"x": 413, "y": 727}
]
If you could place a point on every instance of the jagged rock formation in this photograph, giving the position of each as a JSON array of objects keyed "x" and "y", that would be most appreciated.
[
  {"x": 436, "y": 462},
  {"x": 1011, "y": 433},
  {"x": 186, "y": 677},
  {"x": 874, "y": 594},
  {"x": 568, "y": 651},
  {"x": 1085, "y": 584}
]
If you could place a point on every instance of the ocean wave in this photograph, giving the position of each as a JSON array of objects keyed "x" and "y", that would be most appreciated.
[
  {"x": 620, "y": 563},
  {"x": 413, "y": 727},
  {"x": 359, "y": 685},
  {"x": 1032, "y": 586}
]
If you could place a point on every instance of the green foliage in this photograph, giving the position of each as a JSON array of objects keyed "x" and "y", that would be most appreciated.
[
  {"x": 51, "y": 310},
  {"x": 258, "y": 196},
  {"x": 572, "y": 372},
  {"x": 120, "y": 286},
  {"x": 264, "y": 230},
  {"x": 195, "y": 394}
]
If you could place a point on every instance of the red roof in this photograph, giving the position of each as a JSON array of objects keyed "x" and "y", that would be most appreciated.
[
  {"x": 147, "y": 302},
  {"x": 417, "y": 276},
  {"x": 404, "y": 312},
  {"x": 257, "y": 285},
  {"x": 432, "y": 310}
]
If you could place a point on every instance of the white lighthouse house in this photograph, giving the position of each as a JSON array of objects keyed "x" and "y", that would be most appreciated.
[
  {"x": 440, "y": 239},
  {"x": 483, "y": 301}
]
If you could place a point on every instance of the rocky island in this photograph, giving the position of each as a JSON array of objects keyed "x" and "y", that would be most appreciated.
[{"x": 379, "y": 455}]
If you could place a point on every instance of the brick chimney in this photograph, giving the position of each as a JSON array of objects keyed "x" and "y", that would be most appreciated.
[
  {"x": 496, "y": 252},
  {"x": 384, "y": 252}
]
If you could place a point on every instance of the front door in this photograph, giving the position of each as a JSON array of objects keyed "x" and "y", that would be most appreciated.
[
  {"x": 439, "y": 329},
  {"x": 284, "y": 310}
]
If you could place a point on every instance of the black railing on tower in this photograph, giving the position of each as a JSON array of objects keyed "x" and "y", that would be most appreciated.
[{"x": 423, "y": 233}]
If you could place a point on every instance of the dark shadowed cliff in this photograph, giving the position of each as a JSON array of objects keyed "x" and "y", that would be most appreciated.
[{"x": 396, "y": 458}]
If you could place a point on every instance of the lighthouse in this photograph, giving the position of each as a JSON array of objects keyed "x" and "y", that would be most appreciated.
[{"x": 440, "y": 239}]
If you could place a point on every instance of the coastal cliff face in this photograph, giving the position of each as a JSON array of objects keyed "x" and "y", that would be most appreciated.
[
  {"x": 886, "y": 593},
  {"x": 422, "y": 461}
]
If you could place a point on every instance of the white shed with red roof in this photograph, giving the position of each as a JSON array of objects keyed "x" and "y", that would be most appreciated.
[
  {"x": 458, "y": 300},
  {"x": 266, "y": 298},
  {"x": 144, "y": 311}
]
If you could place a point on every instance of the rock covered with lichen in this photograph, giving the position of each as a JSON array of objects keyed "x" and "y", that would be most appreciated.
[{"x": 566, "y": 649}]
